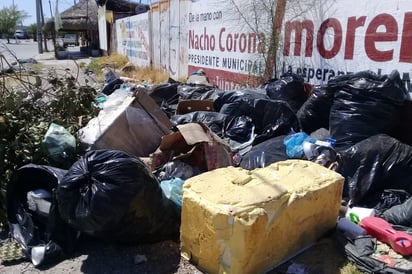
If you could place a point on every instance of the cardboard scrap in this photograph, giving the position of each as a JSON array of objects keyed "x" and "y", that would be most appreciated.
[
  {"x": 196, "y": 144},
  {"x": 187, "y": 106}
]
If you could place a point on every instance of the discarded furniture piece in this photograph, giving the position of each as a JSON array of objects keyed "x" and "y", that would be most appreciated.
[{"x": 240, "y": 221}]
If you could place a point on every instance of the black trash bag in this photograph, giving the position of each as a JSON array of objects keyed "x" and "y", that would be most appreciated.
[
  {"x": 273, "y": 118},
  {"x": 399, "y": 214},
  {"x": 111, "y": 86},
  {"x": 404, "y": 132},
  {"x": 314, "y": 113},
  {"x": 237, "y": 108},
  {"x": 196, "y": 92},
  {"x": 214, "y": 120},
  {"x": 111, "y": 195},
  {"x": 242, "y": 95},
  {"x": 165, "y": 92},
  {"x": 389, "y": 198},
  {"x": 168, "y": 109},
  {"x": 375, "y": 164},
  {"x": 365, "y": 104},
  {"x": 239, "y": 129},
  {"x": 289, "y": 88},
  {"x": 268, "y": 152},
  {"x": 44, "y": 237},
  {"x": 361, "y": 251}
]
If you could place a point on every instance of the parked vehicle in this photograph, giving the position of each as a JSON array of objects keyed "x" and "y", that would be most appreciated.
[
  {"x": 21, "y": 34},
  {"x": 70, "y": 39}
]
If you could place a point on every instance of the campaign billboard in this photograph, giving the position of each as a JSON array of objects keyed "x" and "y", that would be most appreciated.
[
  {"x": 133, "y": 39},
  {"x": 322, "y": 39},
  {"x": 221, "y": 41}
]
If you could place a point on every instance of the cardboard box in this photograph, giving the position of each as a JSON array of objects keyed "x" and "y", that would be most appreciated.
[
  {"x": 195, "y": 144},
  {"x": 187, "y": 106},
  {"x": 134, "y": 124},
  {"x": 240, "y": 221}
]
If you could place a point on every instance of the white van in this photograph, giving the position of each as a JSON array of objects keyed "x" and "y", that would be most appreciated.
[
  {"x": 70, "y": 39},
  {"x": 21, "y": 34}
]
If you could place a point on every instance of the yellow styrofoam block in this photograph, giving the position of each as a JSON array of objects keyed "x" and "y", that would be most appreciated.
[{"x": 240, "y": 221}]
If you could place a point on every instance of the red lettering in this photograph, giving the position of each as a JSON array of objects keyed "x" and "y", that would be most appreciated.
[
  {"x": 238, "y": 42},
  {"x": 229, "y": 42},
  {"x": 251, "y": 43},
  {"x": 236, "y": 36},
  {"x": 191, "y": 39},
  {"x": 382, "y": 28},
  {"x": 405, "y": 54},
  {"x": 242, "y": 42},
  {"x": 337, "y": 41},
  {"x": 298, "y": 27},
  {"x": 221, "y": 47},
  {"x": 212, "y": 43},
  {"x": 352, "y": 25},
  {"x": 201, "y": 42},
  {"x": 373, "y": 35}
]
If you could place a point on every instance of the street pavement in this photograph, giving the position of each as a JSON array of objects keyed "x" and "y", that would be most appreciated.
[
  {"x": 26, "y": 49},
  {"x": 22, "y": 49}
]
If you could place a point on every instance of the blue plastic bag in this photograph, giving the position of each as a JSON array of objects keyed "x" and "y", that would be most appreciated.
[
  {"x": 173, "y": 189},
  {"x": 294, "y": 144}
]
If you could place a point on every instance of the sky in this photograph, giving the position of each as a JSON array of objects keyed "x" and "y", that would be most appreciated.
[{"x": 30, "y": 7}]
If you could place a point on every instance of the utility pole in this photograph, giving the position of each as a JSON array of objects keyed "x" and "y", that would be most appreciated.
[
  {"x": 51, "y": 11},
  {"x": 42, "y": 24},
  {"x": 39, "y": 36}
]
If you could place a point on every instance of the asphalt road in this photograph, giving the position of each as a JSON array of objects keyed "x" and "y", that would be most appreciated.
[{"x": 22, "y": 49}]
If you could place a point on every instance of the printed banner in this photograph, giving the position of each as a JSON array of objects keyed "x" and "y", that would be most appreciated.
[
  {"x": 322, "y": 39},
  {"x": 221, "y": 41},
  {"x": 133, "y": 38}
]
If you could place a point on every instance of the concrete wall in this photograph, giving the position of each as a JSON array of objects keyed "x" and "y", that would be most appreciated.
[{"x": 318, "y": 38}]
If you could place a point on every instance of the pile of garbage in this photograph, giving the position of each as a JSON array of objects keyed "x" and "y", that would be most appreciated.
[{"x": 146, "y": 141}]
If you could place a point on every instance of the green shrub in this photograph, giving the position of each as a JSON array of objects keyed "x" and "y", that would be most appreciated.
[{"x": 27, "y": 110}]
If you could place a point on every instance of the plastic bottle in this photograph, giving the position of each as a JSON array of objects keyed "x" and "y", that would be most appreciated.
[{"x": 356, "y": 214}]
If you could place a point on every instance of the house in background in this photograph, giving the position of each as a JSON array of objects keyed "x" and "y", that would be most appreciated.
[{"x": 80, "y": 20}]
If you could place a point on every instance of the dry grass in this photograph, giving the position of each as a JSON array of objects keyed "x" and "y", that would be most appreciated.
[
  {"x": 118, "y": 62},
  {"x": 115, "y": 61},
  {"x": 350, "y": 268},
  {"x": 147, "y": 75}
]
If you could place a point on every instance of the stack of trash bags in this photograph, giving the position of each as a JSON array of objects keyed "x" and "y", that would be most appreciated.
[
  {"x": 365, "y": 116},
  {"x": 354, "y": 125},
  {"x": 107, "y": 194}
]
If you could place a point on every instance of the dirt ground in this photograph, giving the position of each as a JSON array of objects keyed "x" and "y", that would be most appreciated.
[{"x": 95, "y": 256}]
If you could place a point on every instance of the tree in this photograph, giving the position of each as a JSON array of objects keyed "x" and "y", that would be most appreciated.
[
  {"x": 32, "y": 30},
  {"x": 262, "y": 16},
  {"x": 266, "y": 16},
  {"x": 9, "y": 17}
]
